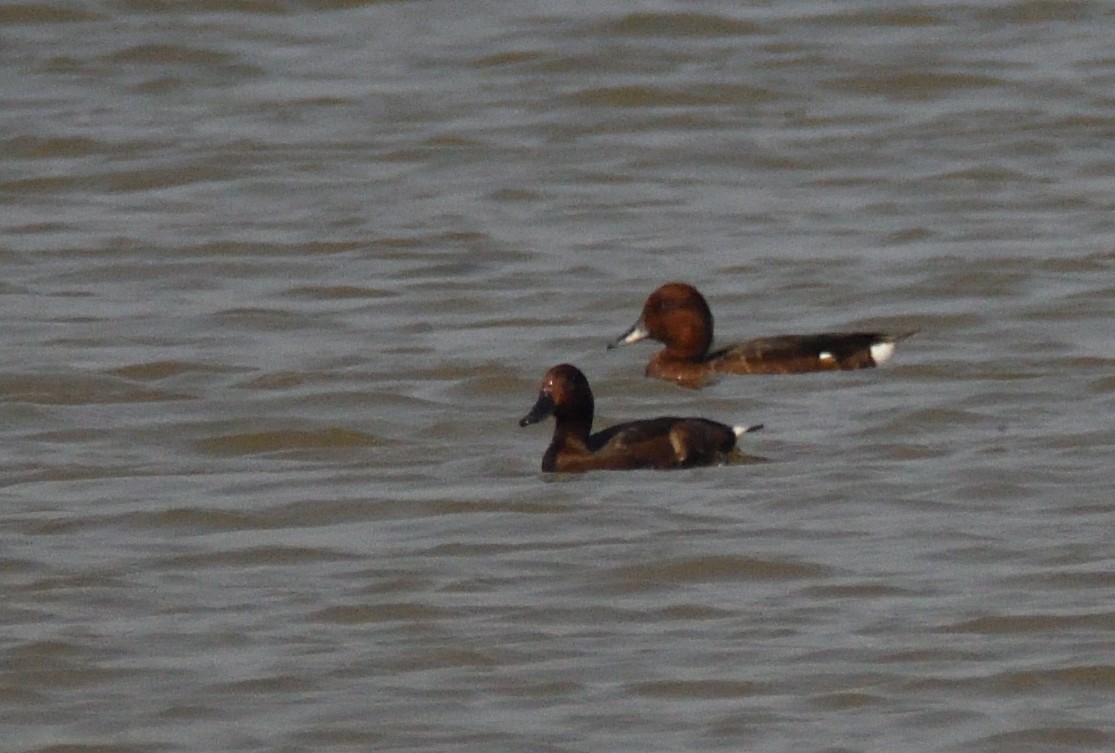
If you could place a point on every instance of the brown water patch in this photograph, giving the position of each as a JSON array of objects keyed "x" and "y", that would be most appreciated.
[
  {"x": 856, "y": 591},
  {"x": 252, "y": 556},
  {"x": 373, "y": 613},
  {"x": 192, "y": 711},
  {"x": 266, "y": 319},
  {"x": 282, "y": 380},
  {"x": 34, "y": 13},
  {"x": 302, "y": 514},
  {"x": 413, "y": 506},
  {"x": 345, "y": 738},
  {"x": 846, "y": 701},
  {"x": 677, "y": 25},
  {"x": 1098, "y": 677},
  {"x": 73, "y": 472},
  {"x": 272, "y": 684},
  {"x": 52, "y": 665},
  {"x": 692, "y": 612},
  {"x": 161, "y": 54},
  {"x": 337, "y": 292},
  {"x": 1008, "y": 624},
  {"x": 12, "y": 566},
  {"x": 1037, "y": 12},
  {"x": 930, "y": 655},
  {"x": 703, "y": 569},
  {"x": 1067, "y": 580},
  {"x": 1040, "y": 738},
  {"x": 876, "y": 17},
  {"x": 709, "y": 689},
  {"x": 912, "y": 85},
  {"x": 42, "y": 389},
  {"x": 192, "y": 520},
  {"x": 507, "y": 58},
  {"x": 443, "y": 657},
  {"x": 52, "y": 147},
  {"x": 141, "y": 181},
  {"x": 661, "y": 96},
  {"x": 908, "y": 235},
  {"x": 257, "y": 443},
  {"x": 155, "y": 370},
  {"x": 81, "y": 748},
  {"x": 983, "y": 174}
]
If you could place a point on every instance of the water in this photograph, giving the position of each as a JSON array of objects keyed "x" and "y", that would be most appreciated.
[{"x": 280, "y": 278}]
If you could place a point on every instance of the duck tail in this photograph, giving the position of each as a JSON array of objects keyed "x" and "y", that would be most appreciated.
[{"x": 897, "y": 337}]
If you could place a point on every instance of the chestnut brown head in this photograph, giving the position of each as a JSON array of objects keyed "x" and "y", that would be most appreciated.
[
  {"x": 676, "y": 315},
  {"x": 564, "y": 393}
]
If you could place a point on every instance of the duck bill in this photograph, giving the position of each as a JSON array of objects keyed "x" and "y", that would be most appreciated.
[
  {"x": 637, "y": 332},
  {"x": 543, "y": 409}
]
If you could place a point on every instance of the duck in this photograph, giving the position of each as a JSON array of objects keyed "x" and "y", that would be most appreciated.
[
  {"x": 677, "y": 315},
  {"x": 658, "y": 443}
]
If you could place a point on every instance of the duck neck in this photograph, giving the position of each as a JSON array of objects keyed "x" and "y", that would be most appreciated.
[
  {"x": 573, "y": 427},
  {"x": 691, "y": 342}
]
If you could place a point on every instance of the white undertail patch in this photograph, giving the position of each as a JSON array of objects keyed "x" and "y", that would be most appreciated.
[
  {"x": 881, "y": 352},
  {"x": 742, "y": 429}
]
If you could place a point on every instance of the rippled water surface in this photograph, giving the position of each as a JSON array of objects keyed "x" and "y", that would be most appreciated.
[{"x": 280, "y": 278}]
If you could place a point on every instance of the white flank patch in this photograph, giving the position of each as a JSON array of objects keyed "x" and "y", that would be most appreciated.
[
  {"x": 824, "y": 355},
  {"x": 679, "y": 448},
  {"x": 881, "y": 352}
]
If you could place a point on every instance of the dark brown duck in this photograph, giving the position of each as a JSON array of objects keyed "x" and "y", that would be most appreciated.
[
  {"x": 678, "y": 316},
  {"x": 662, "y": 443}
]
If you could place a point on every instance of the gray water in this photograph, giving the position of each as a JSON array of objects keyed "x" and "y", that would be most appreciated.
[{"x": 280, "y": 278}]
